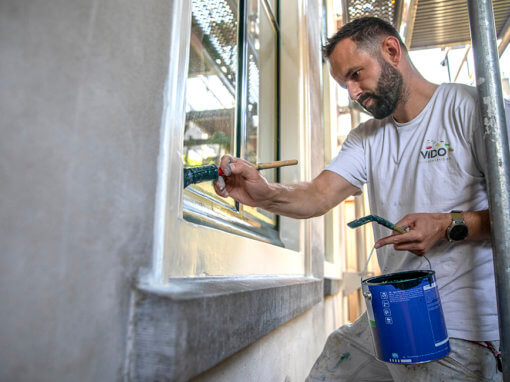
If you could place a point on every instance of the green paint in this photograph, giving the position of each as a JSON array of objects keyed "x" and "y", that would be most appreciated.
[
  {"x": 200, "y": 174},
  {"x": 372, "y": 323},
  {"x": 343, "y": 358},
  {"x": 374, "y": 218}
]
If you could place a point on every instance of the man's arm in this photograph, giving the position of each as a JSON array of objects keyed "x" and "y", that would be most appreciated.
[
  {"x": 428, "y": 229},
  {"x": 301, "y": 200}
]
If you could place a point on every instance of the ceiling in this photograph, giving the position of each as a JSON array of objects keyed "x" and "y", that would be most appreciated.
[{"x": 429, "y": 23}]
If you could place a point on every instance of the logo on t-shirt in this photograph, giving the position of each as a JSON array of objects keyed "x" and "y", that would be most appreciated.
[{"x": 435, "y": 150}]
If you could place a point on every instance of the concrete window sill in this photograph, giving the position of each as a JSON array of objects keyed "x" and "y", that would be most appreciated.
[
  {"x": 332, "y": 286},
  {"x": 192, "y": 324}
]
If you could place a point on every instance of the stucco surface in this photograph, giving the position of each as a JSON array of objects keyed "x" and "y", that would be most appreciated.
[
  {"x": 286, "y": 354},
  {"x": 81, "y": 103},
  {"x": 81, "y": 92}
]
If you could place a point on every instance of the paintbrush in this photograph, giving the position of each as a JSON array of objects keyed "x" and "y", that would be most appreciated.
[
  {"x": 211, "y": 172},
  {"x": 374, "y": 218}
]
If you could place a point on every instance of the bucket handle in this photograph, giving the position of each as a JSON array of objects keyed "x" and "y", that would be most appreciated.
[{"x": 370, "y": 256}]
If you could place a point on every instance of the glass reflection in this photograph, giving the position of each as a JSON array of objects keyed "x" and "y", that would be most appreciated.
[
  {"x": 212, "y": 104},
  {"x": 210, "y": 100},
  {"x": 261, "y": 134}
]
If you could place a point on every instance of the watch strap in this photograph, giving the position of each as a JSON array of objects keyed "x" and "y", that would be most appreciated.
[{"x": 457, "y": 216}]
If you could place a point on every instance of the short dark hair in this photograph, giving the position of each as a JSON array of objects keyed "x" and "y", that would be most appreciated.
[{"x": 364, "y": 32}]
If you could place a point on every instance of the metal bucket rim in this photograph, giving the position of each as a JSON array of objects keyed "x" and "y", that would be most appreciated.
[{"x": 376, "y": 280}]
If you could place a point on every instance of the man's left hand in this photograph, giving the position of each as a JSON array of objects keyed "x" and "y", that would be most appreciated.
[{"x": 425, "y": 231}]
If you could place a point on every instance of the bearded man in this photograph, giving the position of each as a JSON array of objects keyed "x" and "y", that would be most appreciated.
[{"x": 421, "y": 157}]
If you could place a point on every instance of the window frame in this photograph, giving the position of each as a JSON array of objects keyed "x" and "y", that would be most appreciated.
[
  {"x": 242, "y": 308},
  {"x": 184, "y": 257},
  {"x": 334, "y": 264}
]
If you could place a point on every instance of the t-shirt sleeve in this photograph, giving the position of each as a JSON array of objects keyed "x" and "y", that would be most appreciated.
[{"x": 350, "y": 161}]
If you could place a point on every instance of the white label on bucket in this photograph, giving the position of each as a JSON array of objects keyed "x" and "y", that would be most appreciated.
[{"x": 429, "y": 286}]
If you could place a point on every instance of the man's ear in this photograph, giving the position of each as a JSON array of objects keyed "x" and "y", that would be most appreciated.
[{"x": 391, "y": 50}]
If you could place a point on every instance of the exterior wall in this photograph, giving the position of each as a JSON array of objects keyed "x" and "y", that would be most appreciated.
[
  {"x": 286, "y": 354},
  {"x": 81, "y": 100},
  {"x": 81, "y": 105}
]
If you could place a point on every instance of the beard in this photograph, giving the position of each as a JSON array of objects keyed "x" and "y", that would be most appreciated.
[{"x": 388, "y": 93}]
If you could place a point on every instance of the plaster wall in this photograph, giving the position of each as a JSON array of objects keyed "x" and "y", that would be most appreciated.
[
  {"x": 81, "y": 86},
  {"x": 285, "y": 355},
  {"x": 81, "y": 102}
]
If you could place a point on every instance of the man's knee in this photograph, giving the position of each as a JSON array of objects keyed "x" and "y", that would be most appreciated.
[{"x": 346, "y": 351}]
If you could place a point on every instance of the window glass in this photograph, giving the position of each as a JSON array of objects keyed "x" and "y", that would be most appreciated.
[
  {"x": 261, "y": 129},
  {"x": 218, "y": 94},
  {"x": 211, "y": 86}
]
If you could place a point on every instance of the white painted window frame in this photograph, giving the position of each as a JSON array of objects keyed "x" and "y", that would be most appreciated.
[
  {"x": 184, "y": 249},
  {"x": 334, "y": 262}
]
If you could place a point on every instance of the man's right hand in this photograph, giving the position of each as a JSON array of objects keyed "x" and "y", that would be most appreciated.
[{"x": 243, "y": 182}]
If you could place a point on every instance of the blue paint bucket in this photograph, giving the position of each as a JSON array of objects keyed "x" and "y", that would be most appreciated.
[{"x": 406, "y": 317}]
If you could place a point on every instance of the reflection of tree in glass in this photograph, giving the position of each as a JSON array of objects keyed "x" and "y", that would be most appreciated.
[{"x": 207, "y": 150}]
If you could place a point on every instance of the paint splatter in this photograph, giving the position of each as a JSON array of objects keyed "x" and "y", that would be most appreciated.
[{"x": 343, "y": 358}]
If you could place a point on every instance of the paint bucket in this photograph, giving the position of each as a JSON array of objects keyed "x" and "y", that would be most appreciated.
[{"x": 406, "y": 317}]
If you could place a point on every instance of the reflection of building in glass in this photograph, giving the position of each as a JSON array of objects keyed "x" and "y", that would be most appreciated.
[
  {"x": 210, "y": 105},
  {"x": 231, "y": 103}
]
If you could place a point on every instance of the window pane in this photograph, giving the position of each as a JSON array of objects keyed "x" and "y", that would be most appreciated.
[
  {"x": 214, "y": 123},
  {"x": 261, "y": 132},
  {"x": 210, "y": 100}
]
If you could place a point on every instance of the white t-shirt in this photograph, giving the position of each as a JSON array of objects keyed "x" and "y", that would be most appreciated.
[{"x": 433, "y": 163}]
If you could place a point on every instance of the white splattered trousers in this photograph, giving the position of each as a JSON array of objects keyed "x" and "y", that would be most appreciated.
[{"x": 349, "y": 356}]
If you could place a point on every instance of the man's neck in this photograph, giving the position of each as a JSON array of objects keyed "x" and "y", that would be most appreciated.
[{"x": 417, "y": 93}]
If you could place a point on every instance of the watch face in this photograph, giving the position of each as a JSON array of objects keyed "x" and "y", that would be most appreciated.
[{"x": 458, "y": 232}]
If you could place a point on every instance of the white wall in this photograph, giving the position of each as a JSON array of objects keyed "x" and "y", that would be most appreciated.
[
  {"x": 81, "y": 86},
  {"x": 81, "y": 93},
  {"x": 285, "y": 355}
]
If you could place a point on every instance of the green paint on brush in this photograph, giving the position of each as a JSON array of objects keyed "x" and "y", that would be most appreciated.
[
  {"x": 200, "y": 174},
  {"x": 374, "y": 218}
]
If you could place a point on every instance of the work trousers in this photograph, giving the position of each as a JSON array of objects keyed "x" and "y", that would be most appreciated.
[{"x": 349, "y": 356}]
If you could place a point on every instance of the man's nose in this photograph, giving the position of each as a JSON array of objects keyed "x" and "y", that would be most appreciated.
[{"x": 354, "y": 90}]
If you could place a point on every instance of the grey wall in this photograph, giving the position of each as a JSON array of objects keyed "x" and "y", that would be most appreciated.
[
  {"x": 81, "y": 90},
  {"x": 81, "y": 102}
]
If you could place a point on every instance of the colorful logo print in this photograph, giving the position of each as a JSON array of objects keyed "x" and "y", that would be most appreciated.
[{"x": 436, "y": 149}]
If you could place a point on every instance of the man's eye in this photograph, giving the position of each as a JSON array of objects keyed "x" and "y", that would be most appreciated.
[{"x": 355, "y": 75}]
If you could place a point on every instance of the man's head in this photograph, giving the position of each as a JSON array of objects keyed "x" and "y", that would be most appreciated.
[
  {"x": 364, "y": 55},
  {"x": 366, "y": 32}
]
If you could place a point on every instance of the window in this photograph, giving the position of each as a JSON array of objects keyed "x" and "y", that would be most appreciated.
[
  {"x": 231, "y": 106},
  {"x": 196, "y": 233},
  {"x": 265, "y": 284}
]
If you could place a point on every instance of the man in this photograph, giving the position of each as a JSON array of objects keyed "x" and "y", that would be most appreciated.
[{"x": 421, "y": 157}]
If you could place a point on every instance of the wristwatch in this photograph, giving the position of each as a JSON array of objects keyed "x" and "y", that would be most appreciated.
[{"x": 458, "y": 230}]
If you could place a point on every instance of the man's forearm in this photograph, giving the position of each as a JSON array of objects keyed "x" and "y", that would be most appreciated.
[{"x": 300, "y": 200}]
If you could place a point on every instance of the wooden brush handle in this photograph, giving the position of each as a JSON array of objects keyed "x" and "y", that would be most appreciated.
[{"x": 280, "y": 163}]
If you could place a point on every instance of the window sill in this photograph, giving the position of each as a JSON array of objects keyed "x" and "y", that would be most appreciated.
[
  {"x": 227, "y": 314},
  {"x": 332, "y": 286}
]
